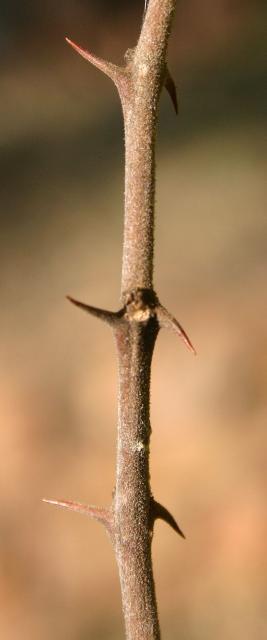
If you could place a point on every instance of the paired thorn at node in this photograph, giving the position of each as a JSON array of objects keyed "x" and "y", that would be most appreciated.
[{"x": 141, "y": 305}]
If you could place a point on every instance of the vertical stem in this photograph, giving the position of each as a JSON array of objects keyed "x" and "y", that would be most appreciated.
[
  {"x": 131, "y": 517},
  {"x": 137, "y": 331},
  {"x": 132, "y": 497},
  {"x": 147, "y": 68},
  {"x": 140, "y": 122}
]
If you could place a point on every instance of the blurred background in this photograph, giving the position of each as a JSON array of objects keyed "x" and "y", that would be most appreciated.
[{"x": 61, "y": 154}]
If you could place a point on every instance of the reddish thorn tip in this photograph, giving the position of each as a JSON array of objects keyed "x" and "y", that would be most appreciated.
[
  {"x": 83, "y": 52},
  {"x": 189, "y": 345},
  {"x": 69, "y": 41}
]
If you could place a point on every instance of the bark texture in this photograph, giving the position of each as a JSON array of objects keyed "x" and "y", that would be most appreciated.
[
  {"x": 135, "y": 337},
  {"x": 130, "y": 519}
]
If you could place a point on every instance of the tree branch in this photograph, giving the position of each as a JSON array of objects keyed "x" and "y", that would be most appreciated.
[
  {"x": 140, "y": 106},
  {"x": 133, "y": 512},
  {"x": 146, "y": 68}
]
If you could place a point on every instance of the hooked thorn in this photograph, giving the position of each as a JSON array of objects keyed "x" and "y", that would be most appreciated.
[
  {"x": 161, "y": 513},
  {"x": 167, "y": 321},
  {"x": 171, "y": 88}
]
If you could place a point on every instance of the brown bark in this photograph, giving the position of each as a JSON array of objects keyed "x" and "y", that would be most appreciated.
[{"x": 130, "y": 519}]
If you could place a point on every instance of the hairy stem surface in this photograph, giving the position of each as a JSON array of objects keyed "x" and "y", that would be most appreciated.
[
  {"x": 146, "y": 72},
  {"x": 137, "y": 333},
  {"x": 130, "y": 519},
  {"x": 132, "y": 530}
]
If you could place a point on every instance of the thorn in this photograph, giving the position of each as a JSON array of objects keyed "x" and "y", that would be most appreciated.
[
  {"x": 161, "y": 513},
  {"x": 171, "y": 88},
  {"x": 167, "y": 321},
  {"x": 111, "y": 70},
  {"x": 97, "y": 513},
  {"x": 145, "y": 9},
  {"x": 107, "y": 316}
]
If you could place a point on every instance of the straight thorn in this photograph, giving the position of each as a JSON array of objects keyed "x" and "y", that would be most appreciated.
[
  {"x": 111, "y": 70},
  {"x": 97, "y": 513},
  {"x": 107, "y": 316}
]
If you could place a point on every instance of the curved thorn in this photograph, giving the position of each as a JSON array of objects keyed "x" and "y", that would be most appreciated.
[
  {"x": 171, "y": 88},
  {"x": 167, "y": 321},
  {"x": 107, "y": 316},
  {"x": 97, "y": 513},
  {"x": 161, "y": 513},
  {"x": 111, "y": 70}
]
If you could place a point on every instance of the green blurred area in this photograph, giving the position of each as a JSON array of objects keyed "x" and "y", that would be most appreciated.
[{"x": 61, "y": 155}]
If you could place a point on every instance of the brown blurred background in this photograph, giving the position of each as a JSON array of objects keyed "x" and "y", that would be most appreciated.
[{"x": 61, "y": 154}]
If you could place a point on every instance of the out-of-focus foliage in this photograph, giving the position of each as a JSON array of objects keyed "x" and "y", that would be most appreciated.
[{"x": 61, "y": 154}]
